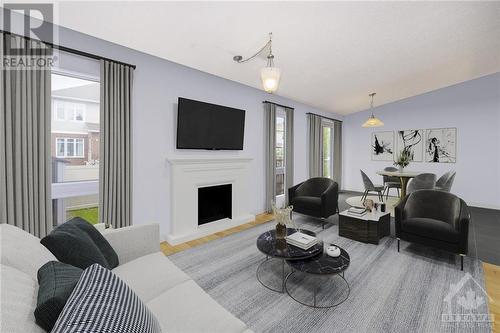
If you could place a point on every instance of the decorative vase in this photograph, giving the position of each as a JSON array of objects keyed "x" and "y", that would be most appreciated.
[
  {"x": 401, "y": 168},
  {"x": 282, "y": 216},
  {"x": 280, "y": 231}
]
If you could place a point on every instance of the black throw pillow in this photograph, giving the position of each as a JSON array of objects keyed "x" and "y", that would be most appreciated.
[
  {"x": 56, "y": 283},
  {"x": 78, "y": 243}
]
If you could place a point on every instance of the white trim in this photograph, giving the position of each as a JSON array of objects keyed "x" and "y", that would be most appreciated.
[
  {"x": 70, "y": 132},
  {"x": 66, "y": 147},
  {"x": 74, "y": 189},
  {"x": 76, "y": 75},
  {"x": 187, "y": 161},
  {"x": 76, "y": 99}
]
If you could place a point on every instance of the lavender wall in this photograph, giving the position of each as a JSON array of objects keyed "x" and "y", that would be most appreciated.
[
  {"x": 473, "y": 107},
  {"x": 157, "y": 85}
]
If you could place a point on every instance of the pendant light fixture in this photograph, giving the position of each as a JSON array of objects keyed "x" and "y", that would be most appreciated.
[
  {"x": 372, "y": 121},
  {"x": 269, "y": 75}
]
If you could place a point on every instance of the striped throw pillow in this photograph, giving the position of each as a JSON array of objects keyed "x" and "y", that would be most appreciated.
[{"x": 102, "y": 303}]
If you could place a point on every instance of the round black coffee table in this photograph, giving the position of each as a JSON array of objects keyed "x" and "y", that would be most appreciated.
[
  {"x": 279, "y": 249},
  {"x": 321, "y": 265}
]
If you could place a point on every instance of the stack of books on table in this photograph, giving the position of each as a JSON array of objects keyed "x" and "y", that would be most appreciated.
[
  {"x": 301, "y": 240},
  {"x": 356, "y": 211}
]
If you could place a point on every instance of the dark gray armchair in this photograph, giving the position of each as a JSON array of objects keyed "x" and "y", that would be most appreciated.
[
  {"x": 317, "y": 197},
  {"x": 434, "y": 218},
  {"x": 445, "y": 182}
]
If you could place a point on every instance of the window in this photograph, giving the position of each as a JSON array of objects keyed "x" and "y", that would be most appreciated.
[
  {"x": 70, "y": 147},
  {"x": 66, "y": 110},
  {"x": 75, "y": 147},
  {"x": 327, "y": 149},
  {"x": 280, "y": 153}
]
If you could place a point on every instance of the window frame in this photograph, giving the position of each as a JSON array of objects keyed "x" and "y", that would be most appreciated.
[
  {"x": 328, "y": 124},
  {"x": 65, "y": 144},
  {"x": 281, "y": 170},
  {"x": 61, "y": 102}
]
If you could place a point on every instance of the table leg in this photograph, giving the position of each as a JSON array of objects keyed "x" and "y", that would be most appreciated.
[
  {"x": 404, "y": 183},
  {"x": 283, "y": 276}
]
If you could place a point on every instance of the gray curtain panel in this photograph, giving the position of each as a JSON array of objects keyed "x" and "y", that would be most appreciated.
[
  {"x": 337, "y": 152},
  {"x": 115, "y": 180},
  {"x": 270, "y": 132},
  {"x": 25, "y": 154},
  {"x": 315, "y": 135},
  {"x": 289, "y": 151}
]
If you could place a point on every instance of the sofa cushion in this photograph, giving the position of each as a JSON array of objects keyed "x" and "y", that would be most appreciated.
[
  {"x": 186, "y": 308},
  {"x": 22, "y": 251},
  {"x": 101, "y": 302},
  {"x": 56, "y": 283},
  {"x": 78, "y": 243},
  {"x": 17, "y": 301},
  {"x": 150, "y": 275},
  {"x": 430, "y": 228}
]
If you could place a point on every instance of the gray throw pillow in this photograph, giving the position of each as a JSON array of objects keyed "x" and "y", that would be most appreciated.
[
  {"x": 78, "y": 243},
  {"x": 101, "y": 302},
  {"x": 56, "y": 283}
]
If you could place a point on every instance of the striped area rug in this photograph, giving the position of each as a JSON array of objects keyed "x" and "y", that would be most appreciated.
[{"x": 417, "y": 290}]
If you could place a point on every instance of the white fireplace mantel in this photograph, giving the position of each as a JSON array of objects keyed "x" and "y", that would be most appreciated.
[{"x": 189, "y": 174}]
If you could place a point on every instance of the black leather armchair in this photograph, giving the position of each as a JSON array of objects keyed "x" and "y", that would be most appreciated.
[
  {"x": 434, "y": 218},
  {"x": 317, "y": 197}
]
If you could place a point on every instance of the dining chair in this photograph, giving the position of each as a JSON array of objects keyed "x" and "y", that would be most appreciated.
[
  {"x": 370, "y": 187},
  {"x": 445, "y": 182},
  {"x": 424, "y": 181},
  {"x": 391, "y": 182}
]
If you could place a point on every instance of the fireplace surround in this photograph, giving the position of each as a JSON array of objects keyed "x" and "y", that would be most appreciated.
[{"x": 188, "y": 177}]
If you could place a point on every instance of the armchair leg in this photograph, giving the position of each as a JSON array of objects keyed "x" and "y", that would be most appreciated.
[
  {"x": 462, "y": 261},
  {"x": 323, "y": 223},
  {"x": 398, "y": 243}
]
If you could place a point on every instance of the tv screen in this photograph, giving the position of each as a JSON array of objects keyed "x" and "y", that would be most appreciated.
[{"x": 208, "y": 126}]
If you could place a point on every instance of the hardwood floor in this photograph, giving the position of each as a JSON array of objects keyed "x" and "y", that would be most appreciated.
[
  {"x": 492, "y": 281},
  {"x": 491, "y": 272},
  {"x": 168, "y": 249}
]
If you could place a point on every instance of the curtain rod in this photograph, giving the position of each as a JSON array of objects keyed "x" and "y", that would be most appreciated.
[
  {"x": 68, "y": 49},
  {"x": 283, "y": 106},
  {"x": 324, "y": 117}
]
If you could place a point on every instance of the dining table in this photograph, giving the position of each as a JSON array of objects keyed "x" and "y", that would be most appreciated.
[{"x": 404, "y": 177}]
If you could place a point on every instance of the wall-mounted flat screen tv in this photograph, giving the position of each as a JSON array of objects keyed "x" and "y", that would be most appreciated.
[{"x": 203, "y": 125}]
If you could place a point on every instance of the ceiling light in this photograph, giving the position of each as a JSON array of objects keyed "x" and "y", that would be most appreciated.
[
  {"x": 269, "y": 75},
  {"x": 372, "y": 121}
]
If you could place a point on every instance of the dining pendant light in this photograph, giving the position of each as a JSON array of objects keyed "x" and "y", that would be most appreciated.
[
  {"x": 269, "y": 75},
  {"x": 372, "y": 120}
]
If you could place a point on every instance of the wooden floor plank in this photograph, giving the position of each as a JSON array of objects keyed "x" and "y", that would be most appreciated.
[
  {"x": 168, "y": 249},
  {"x": 492, "y": 282}
]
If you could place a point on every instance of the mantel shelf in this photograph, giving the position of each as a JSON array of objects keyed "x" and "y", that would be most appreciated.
[{"x": 210, "y": 160}]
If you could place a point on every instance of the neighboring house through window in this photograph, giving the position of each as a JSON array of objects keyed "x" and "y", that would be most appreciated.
[
  {"x": 75, "y": 140},
  {"x": 280, "y": 156}
]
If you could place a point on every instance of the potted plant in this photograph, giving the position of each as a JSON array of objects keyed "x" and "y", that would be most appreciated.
[{"x": 402, "y": 160}]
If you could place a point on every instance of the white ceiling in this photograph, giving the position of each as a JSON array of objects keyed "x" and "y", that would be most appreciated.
[{"x": 332, "y": 54}]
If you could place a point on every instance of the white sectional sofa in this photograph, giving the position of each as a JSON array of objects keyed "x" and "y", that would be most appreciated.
[{"x": 177, "y": 301}]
